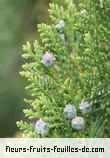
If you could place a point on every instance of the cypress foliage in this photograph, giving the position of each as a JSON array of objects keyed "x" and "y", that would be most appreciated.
[{"x": 68, "y": 72}]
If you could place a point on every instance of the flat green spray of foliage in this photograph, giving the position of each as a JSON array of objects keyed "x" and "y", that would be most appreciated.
[{"x": 79, "y": 70}]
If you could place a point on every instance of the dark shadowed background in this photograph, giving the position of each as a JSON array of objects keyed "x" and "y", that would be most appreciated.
[{"x": 18, "y": 23}]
